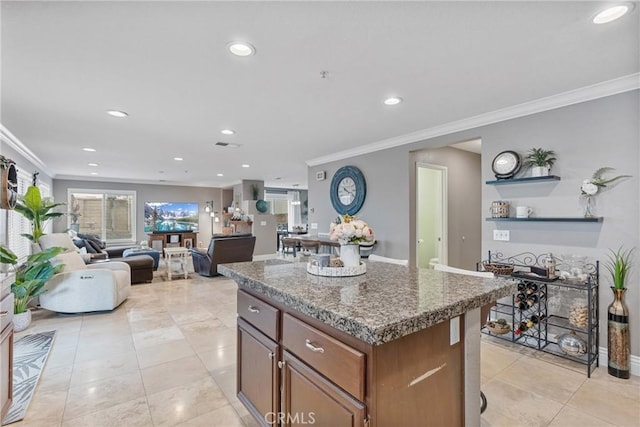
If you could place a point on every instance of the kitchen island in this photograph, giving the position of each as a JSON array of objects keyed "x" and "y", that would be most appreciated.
[{"x": 385, "y": 348}]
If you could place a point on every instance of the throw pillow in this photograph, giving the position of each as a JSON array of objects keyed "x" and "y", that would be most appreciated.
[
  {"x": 95, "y": 247},
  {"x": 93, "y": 238}
]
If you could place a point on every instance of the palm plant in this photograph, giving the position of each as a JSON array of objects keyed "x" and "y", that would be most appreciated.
[
  {"x": 37, "y": 210},
  {"x": 619, "y": 265},
  {"x": 540, "y": 157}
]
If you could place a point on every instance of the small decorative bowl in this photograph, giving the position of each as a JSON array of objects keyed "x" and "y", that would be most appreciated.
[
  {"x": 572, "y": 344},
  {"x": 498, "y": 328}
]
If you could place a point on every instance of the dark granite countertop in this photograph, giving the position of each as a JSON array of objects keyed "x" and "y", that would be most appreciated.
[{"x": 385, "y": 303}]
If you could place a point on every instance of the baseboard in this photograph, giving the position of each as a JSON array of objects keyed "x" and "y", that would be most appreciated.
[
  {"x": 604, "y": 361},
  {"x": 264, "y": 257}
]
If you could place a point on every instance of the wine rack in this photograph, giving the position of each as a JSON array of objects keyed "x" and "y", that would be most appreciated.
[{"x": 529, "y": 306}]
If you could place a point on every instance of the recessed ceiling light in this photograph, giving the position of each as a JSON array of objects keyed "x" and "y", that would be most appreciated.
[
  {"x": 227, "y": 131},
  {"x": 392, "y": 101},
  {"x": 94, "y": 173},
  {"x": 91, "y": 150},
  {"x": 245, "y": 166},
  {"x": 117, "y": 113},
  {"x": 611, "y": 14},
  {"x": 93, "y": 164},
  {"x": 178, "y": 159},
  {"x": 241, "y": 48},
  {"x": 219, "y": 174}
]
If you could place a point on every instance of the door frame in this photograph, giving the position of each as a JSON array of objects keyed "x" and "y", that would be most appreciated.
[{"x": 444, "y": 210}]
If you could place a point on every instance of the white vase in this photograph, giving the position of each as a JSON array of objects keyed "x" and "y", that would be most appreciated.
[
  {"x": 350, "y": 255},
  {"x": 21, "y": 321},
  {"x": 539, "y": 171}
]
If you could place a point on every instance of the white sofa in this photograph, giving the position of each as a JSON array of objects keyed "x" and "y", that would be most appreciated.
[{"x": 81, "y": 288}]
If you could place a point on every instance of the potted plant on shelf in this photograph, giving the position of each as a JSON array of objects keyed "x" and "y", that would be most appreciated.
[
  {"x": 37, "y": 210},
  {"x": 540, "y": 161},
  {"x": 619, "y": 343}
]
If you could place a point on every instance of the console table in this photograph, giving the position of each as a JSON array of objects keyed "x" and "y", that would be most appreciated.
[{"x": 169, "y": 239}]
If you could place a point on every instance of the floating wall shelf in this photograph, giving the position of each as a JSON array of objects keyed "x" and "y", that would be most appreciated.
[
  {"x": 550, "y": 219},
  {"x": 524, "y": 180}
]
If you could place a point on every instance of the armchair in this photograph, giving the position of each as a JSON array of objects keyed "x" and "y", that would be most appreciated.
[
  {"x": 222, "y": 249},
  {"x": 83, "y": 288}
]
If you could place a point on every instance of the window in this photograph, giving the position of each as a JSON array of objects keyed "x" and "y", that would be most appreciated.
[
  {"x": 109, "y": 214},
  {"x": 18, "y": 224}
]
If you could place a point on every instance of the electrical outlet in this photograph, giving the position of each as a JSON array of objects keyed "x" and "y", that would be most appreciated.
[
  {"x": 501, "y": 235},
  {"x": 454, "y": 330}
]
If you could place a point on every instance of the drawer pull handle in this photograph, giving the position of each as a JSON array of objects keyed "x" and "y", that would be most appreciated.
[
  {"x": 271, "y": 355},
  {"x": 312, "y": 347},
  {"x": 3, "y": 313},
  {"x": 253, "y": 309}
]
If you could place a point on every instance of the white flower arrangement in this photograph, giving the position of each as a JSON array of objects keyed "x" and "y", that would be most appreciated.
[
  {"x": 590, "y": 187},
  {"x": 348, "y": 229}
]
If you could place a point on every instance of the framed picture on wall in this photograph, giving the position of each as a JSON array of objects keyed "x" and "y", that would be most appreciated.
[{"x": 188, "y": 243}]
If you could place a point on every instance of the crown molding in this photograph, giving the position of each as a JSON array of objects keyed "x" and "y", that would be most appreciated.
[
  {"x": 563, "y": 99},
  {"x": 12, "y": 141}
]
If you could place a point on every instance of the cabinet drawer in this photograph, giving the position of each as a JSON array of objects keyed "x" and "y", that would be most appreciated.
[
  {"x": 259, "y": 314},
  {"x": 6, "y": 311},
  {"x": 343, "y": 365}
]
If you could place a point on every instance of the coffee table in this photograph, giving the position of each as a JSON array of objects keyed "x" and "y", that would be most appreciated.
[{"x": 178, "y": 254}]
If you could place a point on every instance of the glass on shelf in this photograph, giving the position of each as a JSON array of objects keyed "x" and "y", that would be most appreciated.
[{"x": 579, "y": 313}]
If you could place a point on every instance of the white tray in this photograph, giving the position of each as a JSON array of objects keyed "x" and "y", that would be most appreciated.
[{"x": 337, "y": 271}]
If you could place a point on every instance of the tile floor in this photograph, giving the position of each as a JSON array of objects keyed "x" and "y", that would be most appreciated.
[{"x": 166, "y": 357}]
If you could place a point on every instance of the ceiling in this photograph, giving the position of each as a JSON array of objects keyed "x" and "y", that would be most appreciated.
[{"x": 166, "y": 64}]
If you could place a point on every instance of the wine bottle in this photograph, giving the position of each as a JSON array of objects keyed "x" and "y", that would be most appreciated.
[
  {"x": 521, "y": 287},
  {"x": 531, "y": 288},
  {"x": 522, "y": 327},
  {"x": 521, "y": 301},
  {"x": 532, "y": 300}
]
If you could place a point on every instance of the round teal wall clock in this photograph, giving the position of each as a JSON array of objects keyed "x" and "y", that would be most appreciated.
[{"x": 348, "y": 190}]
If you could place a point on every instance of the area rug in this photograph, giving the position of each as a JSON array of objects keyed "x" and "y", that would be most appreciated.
[{"x": 29, "y": 356}]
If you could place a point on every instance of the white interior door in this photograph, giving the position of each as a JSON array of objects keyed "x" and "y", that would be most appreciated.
[{"x": 431, "y": 215}]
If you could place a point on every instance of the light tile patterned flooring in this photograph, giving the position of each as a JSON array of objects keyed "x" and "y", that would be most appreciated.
[{"x": 167, "y": 357}]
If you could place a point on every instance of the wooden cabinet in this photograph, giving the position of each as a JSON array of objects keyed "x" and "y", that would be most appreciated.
[
  {"x": 6, "y": 352},
  {"x": 310, "y": 398},
  {"x": 295, "y": 370},
  {"x": 323, "y": 385},
  {"x": 186, "y": 239},
  {"x": 258, "y": 376}
]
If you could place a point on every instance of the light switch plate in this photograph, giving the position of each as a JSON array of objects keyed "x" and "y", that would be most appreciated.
[
  {"x": 263, "y": 223},
  {"x": 314, "y": 225}
]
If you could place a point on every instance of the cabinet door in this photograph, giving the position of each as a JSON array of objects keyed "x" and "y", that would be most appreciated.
[
  {"x": 311, "y": 399},
  {"x": 6, "y": 370},
  {"x": 258, "y": 373}
]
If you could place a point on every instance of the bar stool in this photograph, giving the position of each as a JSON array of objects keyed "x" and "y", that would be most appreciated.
[{"x": 289, "y": 242}]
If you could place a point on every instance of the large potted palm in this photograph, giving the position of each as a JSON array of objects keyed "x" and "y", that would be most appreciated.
[
  {"x": 31, "y": 276},
  {"x": 38, "y": 210}
]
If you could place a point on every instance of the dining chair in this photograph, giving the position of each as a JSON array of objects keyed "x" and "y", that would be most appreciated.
[
  {"x": 378, "y": 258},
  {"x": 484, "y": 311},
  {"x": 288, "y": 242}
]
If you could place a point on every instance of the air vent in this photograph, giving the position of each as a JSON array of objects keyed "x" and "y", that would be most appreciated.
[{"x": 222, "y": 144}]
